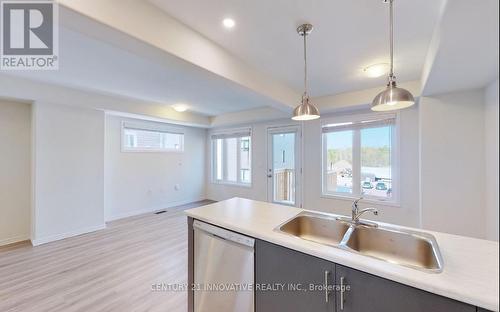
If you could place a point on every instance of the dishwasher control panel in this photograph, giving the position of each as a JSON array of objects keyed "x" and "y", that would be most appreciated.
[{"x": 224, "y": 234}]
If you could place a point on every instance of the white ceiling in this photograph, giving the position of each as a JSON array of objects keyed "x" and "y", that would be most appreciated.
[
  {"x": 99, "y": 54},
  {"x": 348, "y": 36},
  {"x": 466, "y": 53},
  {"x": 94, "y": 65}
]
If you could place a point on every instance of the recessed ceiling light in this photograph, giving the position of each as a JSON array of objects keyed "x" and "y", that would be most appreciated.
[
  {"x": 376, "y": 70},
  {"x": 228, "y": 23},
  {"x": 180, "y": 107}
]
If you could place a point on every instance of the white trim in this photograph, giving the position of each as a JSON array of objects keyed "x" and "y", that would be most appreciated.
[
  {"x": 152, "y": 126},
  {"x": 367, "y": 200},
  {"x": 56, "y": 237},
  {"x": 283, "y": 129},
  {"x": 227, "y": 183},
  {"x": 15, "y": 239},
  {"x": 227, "y": 132},
  {"x": 296, "y": 129},
  {"x": 147, "y": 118},
  {"x": 227, "y": 135},
  {"x": 152, "y": 209}
]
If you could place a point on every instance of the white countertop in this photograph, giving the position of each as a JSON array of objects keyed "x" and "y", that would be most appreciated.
[{"x": 470, "y": 272}]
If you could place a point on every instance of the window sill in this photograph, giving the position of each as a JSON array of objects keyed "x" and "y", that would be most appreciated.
[
  {"x": 244, "y": 185},
  {"x": 152, "y": 151},
  {"x": 368, "y": 200}
]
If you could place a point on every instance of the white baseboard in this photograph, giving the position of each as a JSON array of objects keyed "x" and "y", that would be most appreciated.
[
  {"x": 152, "y": 209},
  {"x": 15, "y": 239},
  {"x": 52, "y": 238}
]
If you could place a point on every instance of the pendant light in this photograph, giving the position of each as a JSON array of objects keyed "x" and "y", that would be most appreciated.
[
  {"x": 306, "y": 110},
  {"x": 392, "y": 98}
]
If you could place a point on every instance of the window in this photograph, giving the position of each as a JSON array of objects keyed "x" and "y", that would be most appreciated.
[
  {"x": 151, "y": 138},
  {"x": 359, "y": 158},
  {"x": 231, "y": 155}
]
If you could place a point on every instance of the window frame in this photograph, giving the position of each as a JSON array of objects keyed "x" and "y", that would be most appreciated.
[
  {"x": 145, "y": 126},
  {"x": 230, "y": 134},
  {"x": 356, "y": 154}
]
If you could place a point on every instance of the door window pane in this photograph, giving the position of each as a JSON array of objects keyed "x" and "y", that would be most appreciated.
[
  {"x": 376, "y": 174},
  {"x": 284, "y": 168},
  {"x": 339, "y": 162}
]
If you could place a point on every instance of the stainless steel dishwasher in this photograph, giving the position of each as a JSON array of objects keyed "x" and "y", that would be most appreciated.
[{"x": 223, "y": 270}]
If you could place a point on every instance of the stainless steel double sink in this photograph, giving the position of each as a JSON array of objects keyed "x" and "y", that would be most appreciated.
[{"x": 389, "y": 243}]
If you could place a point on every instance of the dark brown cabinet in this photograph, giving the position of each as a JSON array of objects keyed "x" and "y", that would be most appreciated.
[
  {"x": 353, "y": 291},
  {"x": 283, "y": 281},
  {"x": 290, "y": 281},
  {"x": 367, "y": 292}
]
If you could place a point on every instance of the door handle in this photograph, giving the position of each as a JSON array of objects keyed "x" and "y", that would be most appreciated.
[
  {"x": 342, "y": 293},
  {"x": 269, "y": 175},
  {"x": 327, "y": 291}
]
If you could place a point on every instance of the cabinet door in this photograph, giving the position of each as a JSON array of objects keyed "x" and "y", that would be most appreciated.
[
  {"x": 368, "y": 293},
  {"x": 283, "y": 278}
]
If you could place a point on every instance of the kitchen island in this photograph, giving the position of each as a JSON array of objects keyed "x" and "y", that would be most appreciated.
[{"x": 470, "y": 272}]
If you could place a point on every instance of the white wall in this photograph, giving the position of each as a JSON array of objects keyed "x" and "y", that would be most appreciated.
[
  {"x": 406, "y": 214},
  {"x": 491, "y": 159},
  {"x": 15, "y": 171},
  {"x": 143, "y": 182},
  {"x": 452, "y": 162},
  {"x": 69, "y": 171},
  {"x": 447, "y": 144},
  {"x": 258, "y": 190}
]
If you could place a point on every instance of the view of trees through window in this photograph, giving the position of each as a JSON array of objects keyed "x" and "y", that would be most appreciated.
[
  {"x": 339, "y": 162},
  {"x": 372, "y": 164},
  {"x": 376, "y": 173}
]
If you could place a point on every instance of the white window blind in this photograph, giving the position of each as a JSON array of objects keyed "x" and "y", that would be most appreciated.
[
  {"x": 363, "y": 124},
  {"x": 236, "y": 133}
]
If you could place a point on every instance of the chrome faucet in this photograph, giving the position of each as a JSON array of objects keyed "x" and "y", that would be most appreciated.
[{"x": 356, "y": 213}]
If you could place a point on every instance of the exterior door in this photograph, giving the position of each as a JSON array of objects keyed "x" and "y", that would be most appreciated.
[{"x": 284, "y": 169}]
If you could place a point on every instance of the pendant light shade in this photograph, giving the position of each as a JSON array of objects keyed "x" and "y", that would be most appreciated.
[
  {"x": 306, "y": 110},
  {"x": 392, "y": 98}
]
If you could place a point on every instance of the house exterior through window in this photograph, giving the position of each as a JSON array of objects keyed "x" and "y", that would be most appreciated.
[
  {"x": 151, "y": 137},
  {"x": 231, "y": 157},
  {"x": 359, "y": 157}
]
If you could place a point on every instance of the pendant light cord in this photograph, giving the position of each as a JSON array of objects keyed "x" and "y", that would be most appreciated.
[
  {"x": 305, "y": 64},
  {"x": 391, "y": 31}
]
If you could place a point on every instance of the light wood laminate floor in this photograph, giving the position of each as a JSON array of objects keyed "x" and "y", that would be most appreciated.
[{"x": 107, "y": 270}]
